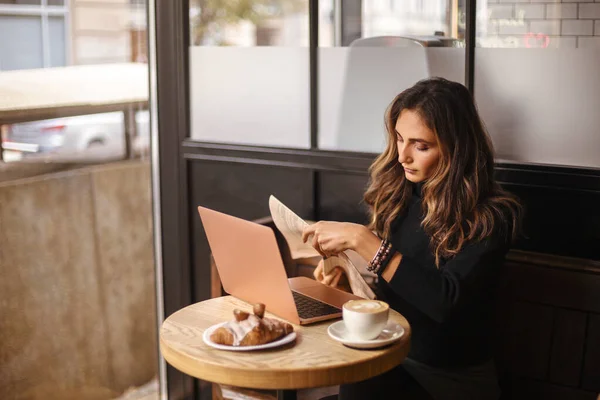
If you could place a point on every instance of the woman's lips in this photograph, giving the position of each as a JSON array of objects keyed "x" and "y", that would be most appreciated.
[{"x": 410, "y": 171}]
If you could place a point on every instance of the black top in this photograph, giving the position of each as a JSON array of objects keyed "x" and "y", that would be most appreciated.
[{"x": 450, "y": 309}]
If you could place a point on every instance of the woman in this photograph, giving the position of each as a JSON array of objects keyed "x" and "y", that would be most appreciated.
[{"x": 440, "y": 229}]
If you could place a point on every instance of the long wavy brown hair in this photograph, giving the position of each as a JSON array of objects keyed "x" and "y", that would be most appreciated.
[{"x": 462, "y": 202}]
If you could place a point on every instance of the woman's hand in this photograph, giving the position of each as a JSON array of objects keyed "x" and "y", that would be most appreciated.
[
  {"x": 337, "y": 278},
  {"x": 331, "y": 238}
]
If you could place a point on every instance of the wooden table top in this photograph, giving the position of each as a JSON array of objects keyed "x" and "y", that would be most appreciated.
[{"x": 313, "y": 360}]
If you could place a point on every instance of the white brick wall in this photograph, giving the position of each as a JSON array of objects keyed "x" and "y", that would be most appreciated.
[
  {"x": 531, "y": 11},
  {"x": 589, "y": 11},
  {"x": 567, "y": 23},
  {"x": 501, "y": 11},
  {"x": 492, "y": 30},
  {"x": 577, "y": 27},
  {"x": 591, "y": 42},
  {"x": 562, "y": 42},
  {"x": 548, "y": 27},
  {"x": 513, "y": 30},
  {"x": 556, "y": 11}
]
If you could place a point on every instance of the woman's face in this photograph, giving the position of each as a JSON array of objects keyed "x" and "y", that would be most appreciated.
[{"x": 418, "y": 149}]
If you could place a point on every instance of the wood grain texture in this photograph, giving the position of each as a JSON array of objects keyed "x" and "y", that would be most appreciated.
[
  {"x": 556, "y": 287},
  {"x": 551, "y": 261},
  {"x": 591, "y": 366},
  {"x": 530, "y": 340},
  {"x": 567, "y": 347},
  {"x": 571, "y": 234},
  {"x": 526, "y": 389},
  {"x": 313, "y": 360}
]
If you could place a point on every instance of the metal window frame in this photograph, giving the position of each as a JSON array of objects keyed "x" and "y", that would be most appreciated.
[
  {"x": 156, "y": 183},
  {"x": 44, "y": 11}
]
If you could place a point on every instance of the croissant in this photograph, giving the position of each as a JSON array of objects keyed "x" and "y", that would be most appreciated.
[{"x": 250, "y": 330}]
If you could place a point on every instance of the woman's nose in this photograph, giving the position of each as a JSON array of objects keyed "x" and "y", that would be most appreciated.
[{"x": 403, "y": 156}]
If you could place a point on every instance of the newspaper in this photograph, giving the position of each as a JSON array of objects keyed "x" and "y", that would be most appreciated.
[{"x": 291, "y": 227}]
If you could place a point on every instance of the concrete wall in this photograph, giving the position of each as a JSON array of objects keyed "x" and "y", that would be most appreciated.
[
  {"x": 10, "y": 171},
  {"x": 77, "y": 295}
]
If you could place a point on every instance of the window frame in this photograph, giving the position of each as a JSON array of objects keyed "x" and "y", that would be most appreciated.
[
  {"x": 44, "y": 12},
  {"x": 343, "y": 11}
]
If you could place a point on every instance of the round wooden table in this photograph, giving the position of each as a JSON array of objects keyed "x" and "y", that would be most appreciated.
[{"x": 312, "y": 360}]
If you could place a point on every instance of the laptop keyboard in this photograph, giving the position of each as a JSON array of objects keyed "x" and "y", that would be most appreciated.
[{"x": 310, "y": 308}]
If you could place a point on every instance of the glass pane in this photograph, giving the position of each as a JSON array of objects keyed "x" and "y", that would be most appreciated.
[
  {"x": 76, "y": 261},
  {"x": 56, "y": 2},
  {"x": 20, "y": 2},
  {"x": 56, "y": 27},
  {"x": 371, "y": 51},
  {"x": 24, "y": 49},
  {"x": 536, "y": 81},
  {"x": 110, "y": 34},
  {"x": 249, "y": 70}
]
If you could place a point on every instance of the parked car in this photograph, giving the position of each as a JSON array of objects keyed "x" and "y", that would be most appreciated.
[{"x": 93, "y": 134}]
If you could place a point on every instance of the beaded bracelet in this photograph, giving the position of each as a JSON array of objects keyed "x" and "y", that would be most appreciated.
[
  {"x": 384, "y": 257},
  {"x": 382, "y": 254}
]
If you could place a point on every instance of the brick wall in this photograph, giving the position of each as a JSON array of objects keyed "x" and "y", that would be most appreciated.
[{"x": 540, "y": 24}]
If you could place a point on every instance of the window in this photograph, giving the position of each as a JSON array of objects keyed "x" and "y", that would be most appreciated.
[
  {"x": 103, "y": 45},
  {"x": 91, "y": 224},
  {"x": 249, "y": 70},
  {"x": 37, "y": 29},
  {"x": 369, "y": 52},
  {"x": 19, "y": 2},
  {"x": 536, "y": 80}
]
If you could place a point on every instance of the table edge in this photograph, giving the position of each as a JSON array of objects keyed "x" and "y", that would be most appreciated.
[{"x": 297, "y": 379}]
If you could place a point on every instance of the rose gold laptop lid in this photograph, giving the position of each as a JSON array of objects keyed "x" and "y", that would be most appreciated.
[{"x": 249, "y": 263}]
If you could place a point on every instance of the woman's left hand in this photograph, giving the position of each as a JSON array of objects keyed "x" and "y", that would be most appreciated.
[{"x": 330, "y": 238}]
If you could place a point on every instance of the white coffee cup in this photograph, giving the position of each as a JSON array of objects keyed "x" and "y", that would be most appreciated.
[{"x": 365, "y": 319}]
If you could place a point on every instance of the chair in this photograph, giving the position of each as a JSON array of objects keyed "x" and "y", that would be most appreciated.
[{"x": 375, "y": 70}]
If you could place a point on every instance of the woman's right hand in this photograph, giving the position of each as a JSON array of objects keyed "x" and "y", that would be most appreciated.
[{"x": 334, "y": 277}]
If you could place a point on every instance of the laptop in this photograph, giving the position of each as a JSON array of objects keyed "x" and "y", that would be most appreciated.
[{"x": 250, "y": 266}]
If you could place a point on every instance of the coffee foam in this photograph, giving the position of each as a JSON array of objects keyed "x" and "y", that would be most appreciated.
[{"x": 366, "y": 306}]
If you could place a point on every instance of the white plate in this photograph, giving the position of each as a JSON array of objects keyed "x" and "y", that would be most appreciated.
[
  {"x": 389, "y": 335},
  {"x": 290, "y": 337}
]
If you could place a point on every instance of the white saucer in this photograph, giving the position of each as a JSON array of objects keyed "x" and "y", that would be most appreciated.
[
  {"x": 290, "y": 337},
  {"x": 389, "y": 335}
]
